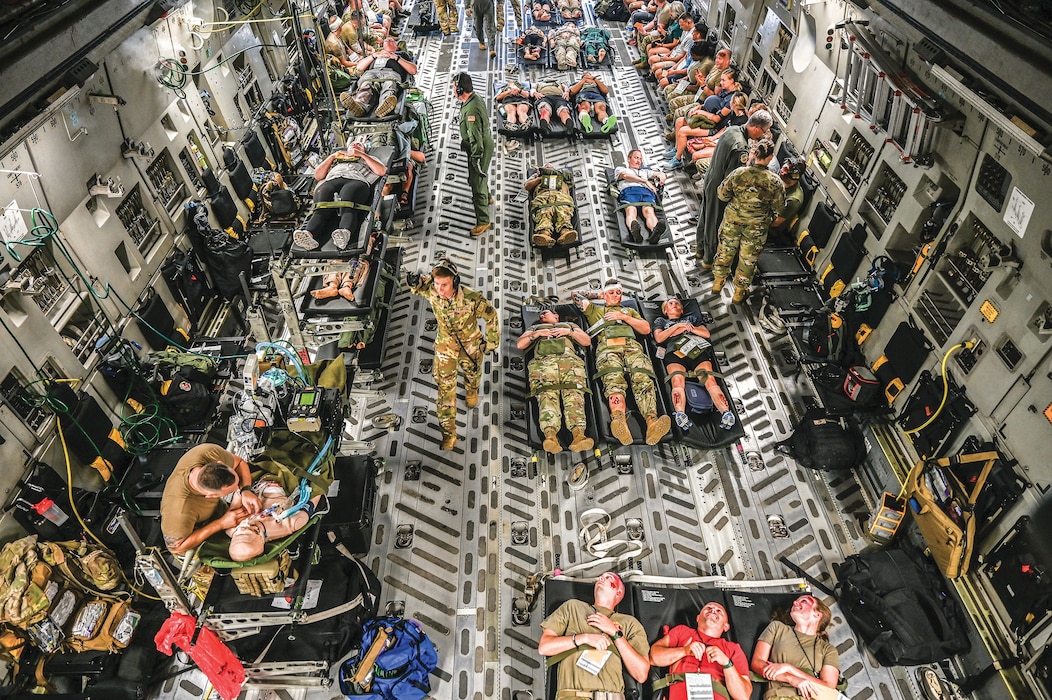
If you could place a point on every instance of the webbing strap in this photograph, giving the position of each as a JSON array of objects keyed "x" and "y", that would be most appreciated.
[
  {"x": 558, "y": 386},
  {"x": 669, "y": 679},
  {"x": 692, "y": 374},
  {"x": 341, "y": 205}
]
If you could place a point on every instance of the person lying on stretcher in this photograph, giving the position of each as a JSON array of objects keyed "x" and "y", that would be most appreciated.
[
  {"x": 346, "y": 283},
  {"x": 681, "y": 342}
]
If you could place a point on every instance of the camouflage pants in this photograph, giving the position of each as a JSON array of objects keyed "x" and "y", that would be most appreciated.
[
  {"x": 448, "y": 356},
  {"x": 679, "y": 102},
  {"x": 516, "y": 8},
  {"x": 552, "y": 212},
  {"x": 447, "y": 15},
  {"x": 614, "y": 361},
  {"x": 562, "y": 371},
  {"x": 745, "y": 240}
]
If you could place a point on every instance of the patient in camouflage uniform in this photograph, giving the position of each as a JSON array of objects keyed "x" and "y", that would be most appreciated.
[
  {"x": 557, "y": 373},
  {"x": 619, "y": 353},
  {"x": 552, "y": 205}
]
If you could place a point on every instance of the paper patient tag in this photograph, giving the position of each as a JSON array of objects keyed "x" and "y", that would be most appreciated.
[
  {"x": 593, "y": 661},
  {"x": 699, "y": 686}
]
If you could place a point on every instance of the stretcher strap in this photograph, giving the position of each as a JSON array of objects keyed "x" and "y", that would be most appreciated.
[
  {"x": 559, "y": 386},
  {"x": 340, "y": 205},
  {"x": 701, "y": 375}
]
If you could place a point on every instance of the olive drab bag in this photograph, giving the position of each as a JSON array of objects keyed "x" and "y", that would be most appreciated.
[{"x": 944, "y": 506}]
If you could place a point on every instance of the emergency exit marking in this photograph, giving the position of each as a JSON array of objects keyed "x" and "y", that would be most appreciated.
[{"x": 1048, "y": 413}]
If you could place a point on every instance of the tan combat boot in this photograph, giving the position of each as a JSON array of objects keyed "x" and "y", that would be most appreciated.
[
  {"x": 619, "y": 427},
  {"x": 657, "y": 428},
  {"x": 551, "y": 441},
  {"x": 580, "y": 442},
  {"x": 471, "y": 397},
  {"x": 739, "y": 295},
  {"x": 449, "y": 437},
  {"x": 717, "y": 284}
]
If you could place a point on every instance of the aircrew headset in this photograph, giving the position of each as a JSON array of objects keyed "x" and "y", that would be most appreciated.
[
  {"x": 462, "y": 84},
  {"x": 448, "y": 268}
]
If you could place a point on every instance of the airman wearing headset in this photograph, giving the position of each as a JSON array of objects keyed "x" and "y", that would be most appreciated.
[
  {"x": 477, "y": 142},
  {"x": 459, "y": 341}
]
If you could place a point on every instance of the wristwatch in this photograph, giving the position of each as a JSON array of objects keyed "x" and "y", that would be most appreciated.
[
  {"x": 247, "y": 487},
  {"x": 729, "y": 664},
  {"x": 617, "y": 635}
]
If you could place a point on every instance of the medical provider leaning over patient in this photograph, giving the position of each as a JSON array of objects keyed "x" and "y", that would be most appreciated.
[
  {"x": 211, "y": 490},
  {"x": 459, "y": 341}
]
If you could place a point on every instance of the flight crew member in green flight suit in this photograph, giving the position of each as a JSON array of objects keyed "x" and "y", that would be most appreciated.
[
  {"x": 617, "y": 353},
  {"x": 754, "y": 196},
  {"x": 557, "y": 373},
  {"x": 477, "y": 142},
  {"x": 459, "y": 341}
]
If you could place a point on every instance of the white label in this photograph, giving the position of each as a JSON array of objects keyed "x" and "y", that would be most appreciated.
[
  {"x": 699, "y": 686},
  {"x": 12, "y": 225},
  {"x": 593, "y": 660},
  {"x": 1018, "y": 211}
]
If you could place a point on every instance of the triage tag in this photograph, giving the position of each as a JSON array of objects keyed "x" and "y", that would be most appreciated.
[
  {"x": 593, "y": 661},
  {"x": 699, "y": 686}
]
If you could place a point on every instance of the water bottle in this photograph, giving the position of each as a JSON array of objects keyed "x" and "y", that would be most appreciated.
[{"x": 51, "y": 511}]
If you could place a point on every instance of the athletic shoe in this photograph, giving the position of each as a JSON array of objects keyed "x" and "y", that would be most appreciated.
[
  {"x": 682, "y": 421},
  {"x": 674, "y": 164},
  {"x": 341, "y": 237},
  {"x": 658, "y": 232},
  {"x": 671, "y": 153},
  {"x": 608, "y": 124},
  {"x": 586, "y": 122},
  {"x": 727, "y": 420},
  {"x": 304, "y": 239}
]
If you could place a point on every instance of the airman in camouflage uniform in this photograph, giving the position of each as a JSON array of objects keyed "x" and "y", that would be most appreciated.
[
  {"x": 617, "y": 353},
  {"x": 732, "y": 151},
  {"x": 754, "y": 197},
  {"x": 552, "y": 205},
  {"x": 459, "y": 341},
  {"x": 557, "y": 373}
]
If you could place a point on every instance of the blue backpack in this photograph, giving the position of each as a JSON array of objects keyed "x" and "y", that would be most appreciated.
[{"x": 402, "y": 670}]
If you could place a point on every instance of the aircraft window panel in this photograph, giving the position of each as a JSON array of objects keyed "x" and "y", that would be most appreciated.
[{"x": 727, "y": 30}]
